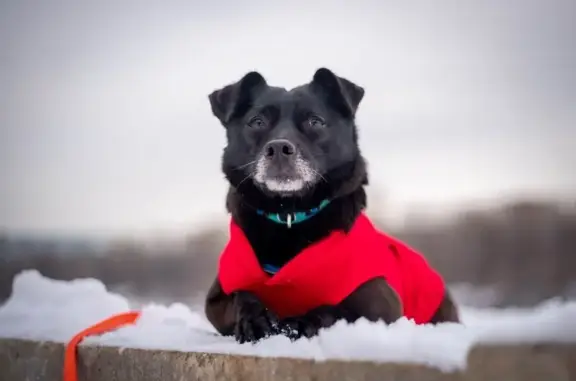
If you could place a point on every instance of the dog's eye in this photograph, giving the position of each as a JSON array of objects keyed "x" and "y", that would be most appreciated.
[
  {"x": 257, "y": 122},
  {"x": 316, "y": 122}
]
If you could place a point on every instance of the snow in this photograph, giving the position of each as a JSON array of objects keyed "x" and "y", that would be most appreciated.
[{"x": 44, "y": 309}]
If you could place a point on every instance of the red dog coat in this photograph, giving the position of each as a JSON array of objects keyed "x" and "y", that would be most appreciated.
[{"x": 326, "y": 272}]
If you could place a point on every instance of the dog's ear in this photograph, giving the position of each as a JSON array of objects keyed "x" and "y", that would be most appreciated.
[
  {"x": 341, "y": 93},
  {"x": 235, "y": 99}
]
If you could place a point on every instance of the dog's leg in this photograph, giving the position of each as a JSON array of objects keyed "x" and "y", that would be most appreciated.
[
  {"x": 447, "y": 311},
  {"x": 374, "y": 300},
  {"x": 240, "y": 314},
  {"x": 219, "y": 309}
]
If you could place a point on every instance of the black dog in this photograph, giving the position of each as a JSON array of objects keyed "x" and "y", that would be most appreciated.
[{"x": 288, "y": 151}]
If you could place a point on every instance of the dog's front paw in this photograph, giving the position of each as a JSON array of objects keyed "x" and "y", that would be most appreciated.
[
  {"x": 253, "y": 320},
  {"x": 297, "y": 326},
  {"x": 309, "y": 324}
]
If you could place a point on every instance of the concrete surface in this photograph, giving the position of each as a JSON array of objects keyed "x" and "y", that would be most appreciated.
[{"x": 22, "y": 360}]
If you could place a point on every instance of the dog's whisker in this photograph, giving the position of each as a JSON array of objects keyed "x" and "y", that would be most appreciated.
[
  {"x": 245, "y": 165},
  {"x": 245, "y": 178},
  {"x": 319, "y": 175}
]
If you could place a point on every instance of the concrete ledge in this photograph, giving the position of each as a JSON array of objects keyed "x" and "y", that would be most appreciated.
[{"x": 22, "y": 360}]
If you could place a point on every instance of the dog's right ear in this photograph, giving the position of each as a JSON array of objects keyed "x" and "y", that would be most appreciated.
[{"x": 234, "y": 100}]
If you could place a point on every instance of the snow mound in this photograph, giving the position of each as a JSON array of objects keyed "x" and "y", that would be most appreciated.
[{"x": 45, "y": 309}]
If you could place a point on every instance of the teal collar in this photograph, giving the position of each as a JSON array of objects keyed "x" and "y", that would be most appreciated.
[{"x": 293, "y": 218}]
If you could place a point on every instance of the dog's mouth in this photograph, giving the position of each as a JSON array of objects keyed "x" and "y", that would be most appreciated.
[{"x": 284, "y": 177}]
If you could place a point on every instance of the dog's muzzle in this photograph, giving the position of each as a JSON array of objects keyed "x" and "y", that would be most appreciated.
[{"x": 281, "y": 167}]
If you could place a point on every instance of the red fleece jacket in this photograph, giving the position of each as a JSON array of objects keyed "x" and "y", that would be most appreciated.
[{"x": 326, "y": 272}]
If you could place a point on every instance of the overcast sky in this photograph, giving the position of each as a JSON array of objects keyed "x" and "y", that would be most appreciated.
[{"x": 105, "y": 123}]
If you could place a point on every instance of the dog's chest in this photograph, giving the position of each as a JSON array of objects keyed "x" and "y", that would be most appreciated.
[{"x": 277, "y": 248}]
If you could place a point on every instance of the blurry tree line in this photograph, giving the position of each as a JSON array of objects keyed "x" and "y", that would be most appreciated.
[{"x": 525, "y": 249}]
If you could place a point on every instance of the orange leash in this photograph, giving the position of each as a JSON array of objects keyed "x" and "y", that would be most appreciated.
[{"x": 107, "y": 325}]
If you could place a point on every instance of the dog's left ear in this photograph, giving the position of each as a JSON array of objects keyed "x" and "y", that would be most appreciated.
[
  {"x": 235, "y": 99},
  {"x": 342, "y": 94}
]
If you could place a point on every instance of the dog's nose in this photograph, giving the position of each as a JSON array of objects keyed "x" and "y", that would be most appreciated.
[{"x": 279, "y": 147}]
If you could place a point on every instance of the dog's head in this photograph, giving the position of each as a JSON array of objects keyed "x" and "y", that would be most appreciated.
[{"x": 287, "y": 143}]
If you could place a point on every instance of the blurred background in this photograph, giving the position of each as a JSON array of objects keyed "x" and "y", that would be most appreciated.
[{"x": 110, "y": 157}]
